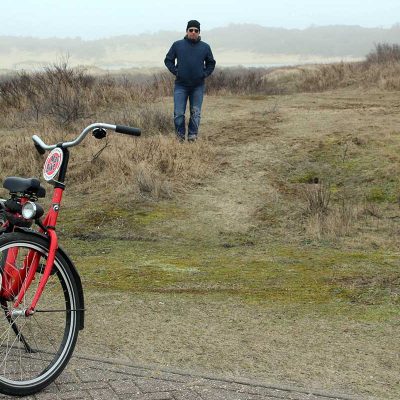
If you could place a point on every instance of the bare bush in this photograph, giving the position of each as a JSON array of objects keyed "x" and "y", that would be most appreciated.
[
  {"x": 11, "y": 92},
  {"x": 154, "y": 118},
  {"x": 120, "y": 89},
  {"x": 241, "y": 81},
  {"x": 63, "y": 96},
  {"x": 384, "y": 53},
  {"x": 59, "y": 93}
]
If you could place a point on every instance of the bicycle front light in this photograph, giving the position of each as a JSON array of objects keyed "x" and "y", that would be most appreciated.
[{"x": 29, "y": 210}]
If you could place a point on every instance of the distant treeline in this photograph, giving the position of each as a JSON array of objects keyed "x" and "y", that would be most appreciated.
[{"x": 328, "y": 41}]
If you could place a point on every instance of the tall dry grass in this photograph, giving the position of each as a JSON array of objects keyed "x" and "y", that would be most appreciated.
[
  {"x": 155, "y": 167},
  {"x": 381, "y": 69},
  {"x": 384, "y": 76},
  {"x": 325, "y": 218}
]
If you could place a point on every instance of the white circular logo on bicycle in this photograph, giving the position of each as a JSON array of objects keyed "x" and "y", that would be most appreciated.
[{"x": 52, "y": 164}]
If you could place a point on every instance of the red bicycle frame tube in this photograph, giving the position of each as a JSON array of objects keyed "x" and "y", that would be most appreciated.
[
  {"x": 50, "y": 223},
  {"x": 12, "y": 276}
]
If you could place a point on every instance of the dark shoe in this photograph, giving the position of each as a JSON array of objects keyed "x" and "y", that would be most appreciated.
[
  {"x": 192, "y": 138},
  {"x": 180, "y": 138}
]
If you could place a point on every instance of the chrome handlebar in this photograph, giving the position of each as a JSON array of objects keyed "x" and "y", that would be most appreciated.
[{"x": 117, "y": 128}]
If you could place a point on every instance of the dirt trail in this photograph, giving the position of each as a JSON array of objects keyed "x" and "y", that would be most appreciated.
[{"x": 229, "y": 200}]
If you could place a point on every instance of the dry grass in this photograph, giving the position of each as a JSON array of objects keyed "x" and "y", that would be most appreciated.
[
  {"x": 338, "y": 222},
  {"x": 350, "y": 74},
  {"x": 154, "y": 167},
  {"x": 380, "y": 69},
  {"x": 63, "y": 96}
]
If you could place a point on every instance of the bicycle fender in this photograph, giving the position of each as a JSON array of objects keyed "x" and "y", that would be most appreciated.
[{"x": 73, "y": 269}]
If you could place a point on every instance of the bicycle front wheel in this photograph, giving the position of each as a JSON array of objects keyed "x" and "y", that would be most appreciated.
[{"x": 35, "y": 349}]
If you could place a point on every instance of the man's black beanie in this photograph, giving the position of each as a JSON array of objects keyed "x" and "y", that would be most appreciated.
[{"x": 193, "y": 24}]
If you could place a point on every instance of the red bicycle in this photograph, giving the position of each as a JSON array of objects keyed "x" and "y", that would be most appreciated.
[{"x": 41, "y": 294}]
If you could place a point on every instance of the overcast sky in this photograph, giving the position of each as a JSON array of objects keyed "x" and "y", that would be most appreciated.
[{"x": 91, "y": 19}]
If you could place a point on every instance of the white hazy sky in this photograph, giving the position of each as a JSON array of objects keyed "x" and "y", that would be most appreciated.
[{"x": 91, "y": 19}]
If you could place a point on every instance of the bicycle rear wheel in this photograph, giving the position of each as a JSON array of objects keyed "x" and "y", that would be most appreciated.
[{"x": 35, "y": 349}]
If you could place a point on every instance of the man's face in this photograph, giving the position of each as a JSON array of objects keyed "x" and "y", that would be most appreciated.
[{"x": 193, "y": 33}]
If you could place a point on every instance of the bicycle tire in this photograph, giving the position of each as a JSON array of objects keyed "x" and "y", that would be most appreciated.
[{"x": 34, "y": 350}]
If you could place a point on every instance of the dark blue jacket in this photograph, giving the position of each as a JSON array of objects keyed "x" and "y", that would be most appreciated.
[{"x": 195, "y": 61}]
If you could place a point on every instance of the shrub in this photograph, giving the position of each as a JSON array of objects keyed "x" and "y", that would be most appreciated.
[
  {"x": 59, "y": 93},
  {"x": 384, "y": 53},
  {"x": 241, "y": 81}
]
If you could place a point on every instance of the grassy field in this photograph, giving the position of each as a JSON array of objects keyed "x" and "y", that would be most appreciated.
[
  {"x": 267, "y": 250},
  {"x": 292, "y": 295}
]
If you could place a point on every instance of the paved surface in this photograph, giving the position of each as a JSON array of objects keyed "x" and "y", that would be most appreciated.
[{"x": 95, "y": 379}]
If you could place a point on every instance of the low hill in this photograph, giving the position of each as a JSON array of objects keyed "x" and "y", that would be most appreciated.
[{"x": 245, "y": 44}]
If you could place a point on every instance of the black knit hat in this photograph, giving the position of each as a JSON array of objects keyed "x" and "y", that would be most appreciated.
[{"x": 193, "y": 24}]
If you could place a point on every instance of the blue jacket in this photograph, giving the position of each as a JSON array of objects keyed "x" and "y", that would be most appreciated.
[{"x": 195, "y": 61}]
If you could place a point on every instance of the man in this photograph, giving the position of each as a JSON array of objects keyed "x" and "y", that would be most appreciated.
[{"x": 194, "y": 63}]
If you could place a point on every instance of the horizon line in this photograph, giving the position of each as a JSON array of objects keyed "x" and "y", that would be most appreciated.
[{"x": 394, "y": 26}]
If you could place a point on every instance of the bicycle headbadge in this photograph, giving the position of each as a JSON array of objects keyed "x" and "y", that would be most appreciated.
[{"x": 52, "y": 164}]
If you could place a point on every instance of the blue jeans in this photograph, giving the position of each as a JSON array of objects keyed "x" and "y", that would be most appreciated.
[{"x": 195, "y": 96}]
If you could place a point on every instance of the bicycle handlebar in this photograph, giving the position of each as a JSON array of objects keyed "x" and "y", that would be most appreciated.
[{"x": 127, "y": 130}]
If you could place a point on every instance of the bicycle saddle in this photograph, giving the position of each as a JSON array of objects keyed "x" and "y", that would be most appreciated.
[{"x": 24, "y": 185}]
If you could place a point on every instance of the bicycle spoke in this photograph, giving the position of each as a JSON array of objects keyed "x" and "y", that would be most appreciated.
[
  {"x": 38, "y": 352},
  {"x": 8, "y": 351},
  {"x": 44, "y": 334},
  {"x": 7, "y": 332}
]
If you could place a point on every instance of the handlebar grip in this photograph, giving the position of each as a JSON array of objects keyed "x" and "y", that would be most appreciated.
[{"x": 127, "y": 130}]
